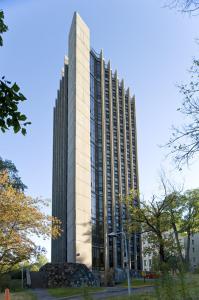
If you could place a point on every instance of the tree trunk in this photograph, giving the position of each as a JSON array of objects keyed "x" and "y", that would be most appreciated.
[
  {"x": 162, "y": 255},
  {"x": 178, "y": 242}
]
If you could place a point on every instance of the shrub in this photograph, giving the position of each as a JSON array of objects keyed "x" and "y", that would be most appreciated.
[{"x": 5, "y": 282}]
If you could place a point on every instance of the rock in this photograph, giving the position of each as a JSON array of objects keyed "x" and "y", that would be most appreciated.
[{"x": 68, "y": 275}]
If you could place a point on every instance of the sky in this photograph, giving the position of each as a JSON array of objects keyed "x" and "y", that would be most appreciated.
[{"x": 152, "y": 48}]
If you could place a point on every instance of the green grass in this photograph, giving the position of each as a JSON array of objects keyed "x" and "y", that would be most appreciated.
[
  {"x": 64, "y": 292},
  {"x": 135, "y": 297},
  {"x": 136, "y": 282},
  {"x": 170, "y": 289},
  {"x": 26, "y": 295}
]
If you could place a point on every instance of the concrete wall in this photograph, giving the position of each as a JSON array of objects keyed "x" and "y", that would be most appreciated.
[
  {"x": 193, "y": 250},
  {"x": 79, "y": 174}
]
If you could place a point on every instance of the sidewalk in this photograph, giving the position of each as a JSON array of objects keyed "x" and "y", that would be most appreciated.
[{"x": 42, "y": 294}]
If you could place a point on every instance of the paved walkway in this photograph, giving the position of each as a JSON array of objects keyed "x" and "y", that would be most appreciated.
[{"x": 42, "y": 294}]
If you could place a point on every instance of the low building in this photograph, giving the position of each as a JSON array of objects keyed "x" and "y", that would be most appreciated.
[
  {"x": 193, "y": 251},
  {"x": 146, "y": 257}
]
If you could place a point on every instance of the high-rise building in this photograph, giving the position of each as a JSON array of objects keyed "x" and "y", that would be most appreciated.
[{"x": 94, "y": 158}]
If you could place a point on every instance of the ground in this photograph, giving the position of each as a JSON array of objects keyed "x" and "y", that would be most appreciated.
[
  {"x": 20, "y": 296},
  {"x": 171, "y": 288},
  {"x": 64, "y": 292}
]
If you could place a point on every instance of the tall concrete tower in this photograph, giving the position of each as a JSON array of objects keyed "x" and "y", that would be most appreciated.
[{"x": 94, "y": 158}]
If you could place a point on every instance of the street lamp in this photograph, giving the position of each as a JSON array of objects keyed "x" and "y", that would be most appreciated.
[
  {"x": 115, "y": 234},
  {"x": 22, "y": 269}
]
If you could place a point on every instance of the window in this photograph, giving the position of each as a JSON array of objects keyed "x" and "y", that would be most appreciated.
[
  {"x": 92, "y": 65},
  {"x": 92, "y": 84}
]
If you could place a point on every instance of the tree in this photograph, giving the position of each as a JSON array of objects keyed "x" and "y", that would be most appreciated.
[
  {"x": 152, "y": 217},
  {"x": 183, "y": 213},
  {"x": 3, "y": 27},
  {"x": 41, "y": 260},
  {"x": 10, "y": 98},
  {"x": 13, "y": 176},
  {"x": 175, "y": 207},
  {"x": 184, "y": 143},
  {"x": 190, "y": 219},
  {"x": 175, "y": 210},
  {"x": 185, "y": 5},
  {"x": 21, "y": 218},
  {"x": 164, "y": 220}
]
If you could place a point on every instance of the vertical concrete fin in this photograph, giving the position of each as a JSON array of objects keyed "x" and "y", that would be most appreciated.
[
  {"x": 79, "y": 181},
  {"x": 105, "y": 209}
]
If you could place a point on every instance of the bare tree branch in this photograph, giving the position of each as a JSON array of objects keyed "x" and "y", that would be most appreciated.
[{"x": 184, "y": 142}]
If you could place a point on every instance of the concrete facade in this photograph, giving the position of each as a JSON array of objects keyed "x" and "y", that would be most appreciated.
[
  {"x": 100, "y": 162},
  {"x": 79, "y": 179},
  {"x": 193, "y": 251}
]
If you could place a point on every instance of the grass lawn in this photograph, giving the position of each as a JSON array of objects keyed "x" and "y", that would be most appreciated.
[
  {"x": 138, "y": 282},
  {"x": 64, "y": 292},
  {"x": 20, "y": 296},
  {"x": 172, "y": 289},
  {"x": 136, "y": 297}
]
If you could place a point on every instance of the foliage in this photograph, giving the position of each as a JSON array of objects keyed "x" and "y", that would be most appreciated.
[
  {"x": 163, "y": 220},
  {"x": 180, "y": 287},
  {"x": 153, "y": 219},
  {"x": 190, "y": 219},
  {"x": 21, "y": 218},
  {"x": 196, "y": 271},
  {"x": 33, "y": 265},
  {"x": 14, "y": 179},
  {"x": 7, "y": 282},
  {"x": 184, "y": 143},
  {"x": 41, "y": 260},
  {"x": 3, "y": 27},
  {"x": 10, "y": 99}
]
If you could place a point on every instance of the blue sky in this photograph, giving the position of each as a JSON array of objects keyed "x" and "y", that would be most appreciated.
[{"x": 151, "y": 47}]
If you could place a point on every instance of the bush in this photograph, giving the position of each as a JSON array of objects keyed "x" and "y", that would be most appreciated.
[
  {"x": 5, "y": 282},
  {"x": 196, "y": 271},
  {"x": 16, "y": 274},
  {"x": 15, "y": 285}
]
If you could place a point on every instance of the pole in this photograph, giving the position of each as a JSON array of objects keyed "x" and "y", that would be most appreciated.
[
  {"x": 127, "y": 264},
  {"x": 115, "y": 234}
]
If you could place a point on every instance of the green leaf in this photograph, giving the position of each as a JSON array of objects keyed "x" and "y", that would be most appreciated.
[
  {"x": 22, "y": 97},
  {"x": 15, "y": 87},
  {"x": 23, "y": 131},
  {"x": 17, "y": 128},
  {"x": 22, "y": 117}
]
